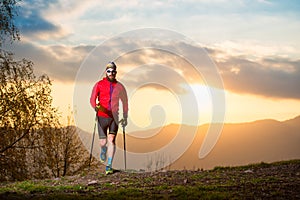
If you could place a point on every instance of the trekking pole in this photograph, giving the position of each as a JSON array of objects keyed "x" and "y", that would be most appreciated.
[
  {"x": 124, "y": 143},
  {"x": 91, "y": 152},
  {"x": 124, "y": 147}
]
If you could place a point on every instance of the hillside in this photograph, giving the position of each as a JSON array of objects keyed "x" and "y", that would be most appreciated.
[
  {"x": 245, "y": 143},
  {"x": 239, "y": 144},
  {"x": 279, "y": 180}
]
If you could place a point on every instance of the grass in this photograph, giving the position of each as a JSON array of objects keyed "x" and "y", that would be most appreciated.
[
  {"x": 279, "y": 180},
  {"x": 32, "y": 187}
]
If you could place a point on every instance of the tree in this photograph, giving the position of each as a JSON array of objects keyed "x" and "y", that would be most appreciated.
[
  {"x": 33, "y": 144},
  {"x": 8, "y": 11},
  {"x": 65, "y": 153},
  {"x": 25, "y": 108}
]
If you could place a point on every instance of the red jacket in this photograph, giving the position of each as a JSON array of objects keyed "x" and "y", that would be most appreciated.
[{"x": 108, "y": 95}]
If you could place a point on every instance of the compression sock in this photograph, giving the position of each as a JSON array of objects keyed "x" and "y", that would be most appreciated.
[
  {"x": 103, "y": 149},
  {"x": 109, "y": 161}
]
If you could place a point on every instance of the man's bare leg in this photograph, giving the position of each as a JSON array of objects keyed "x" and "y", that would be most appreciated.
[
  {"x": 103, "y": 150},
  {"x": 111, "y": 148}
]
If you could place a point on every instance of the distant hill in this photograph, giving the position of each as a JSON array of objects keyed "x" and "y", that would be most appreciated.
[
  {"x": 239, "y": 144},
  {"x": 245, "y": 143}
]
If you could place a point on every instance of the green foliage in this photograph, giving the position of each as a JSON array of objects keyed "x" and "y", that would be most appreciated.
[
  {"x": 25, "y": 108},
  {"x": 33, "y": 144}
]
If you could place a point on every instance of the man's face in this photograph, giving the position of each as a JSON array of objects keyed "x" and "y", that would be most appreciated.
[{"x": 111, "y": 74}]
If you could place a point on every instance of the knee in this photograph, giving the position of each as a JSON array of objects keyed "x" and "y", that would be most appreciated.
[
  {"x": 102, "y": 142},
  {"x": 111, "y": 139}
]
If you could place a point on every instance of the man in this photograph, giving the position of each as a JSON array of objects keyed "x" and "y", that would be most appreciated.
[{"x": 105, "y": 100}]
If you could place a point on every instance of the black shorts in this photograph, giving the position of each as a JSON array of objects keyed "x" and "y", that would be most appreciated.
[{"x": 104, "y": 124}]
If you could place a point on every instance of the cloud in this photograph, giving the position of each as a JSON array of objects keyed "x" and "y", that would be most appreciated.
[
  {"x": 33, "y": 24},
  {"x": 156, "y": 76},
  {"x": 269, "y": 76},
  {"x": 30, "y": 18},
  {"x": 58, "y": 62},
  {"x": 272, "y": 77},
  {"x": 57, "y": 19},
  {"x": 142, "y": 62},
  {"x": 76, "y": 22}
]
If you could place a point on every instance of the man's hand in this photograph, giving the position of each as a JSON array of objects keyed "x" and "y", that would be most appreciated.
[
  {"x": 97, "y": 108},
  {"x": 124, "y": 122}
]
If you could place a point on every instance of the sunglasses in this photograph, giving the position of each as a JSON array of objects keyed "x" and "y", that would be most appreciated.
[{"x": 111, "y": 71}]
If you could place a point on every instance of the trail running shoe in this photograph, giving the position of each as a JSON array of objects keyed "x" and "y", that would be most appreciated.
[
  {"x": 103, "y": 155},
  {"x": 108, "y": 170}
]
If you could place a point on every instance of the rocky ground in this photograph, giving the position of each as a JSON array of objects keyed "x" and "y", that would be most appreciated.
[{"x": 260, "y": 181}]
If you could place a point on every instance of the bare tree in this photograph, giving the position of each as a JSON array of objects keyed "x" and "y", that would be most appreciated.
[
  {"x": 65, "y": 152},
  {"x": 8, "y": 11},
  {"x": 25, "y": 107},
  {"x": 33, "y": 144}
]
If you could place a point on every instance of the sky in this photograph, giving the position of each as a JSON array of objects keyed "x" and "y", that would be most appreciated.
[{"x": 191, "y": 62}]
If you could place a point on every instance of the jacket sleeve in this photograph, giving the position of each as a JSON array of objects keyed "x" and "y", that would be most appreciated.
[{"x": 94, "y": 95}]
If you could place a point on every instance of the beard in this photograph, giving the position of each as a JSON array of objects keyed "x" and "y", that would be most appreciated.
[{"x": 111, "y": 78}]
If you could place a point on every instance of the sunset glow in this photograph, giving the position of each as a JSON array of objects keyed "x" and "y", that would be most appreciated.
[{"x": 253, "y": 44}]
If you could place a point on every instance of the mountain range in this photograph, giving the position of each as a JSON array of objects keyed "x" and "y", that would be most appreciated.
[{"x": 239, "y": 144}]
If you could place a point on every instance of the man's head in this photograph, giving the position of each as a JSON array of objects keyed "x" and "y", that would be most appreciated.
[{"x": 111, "y": 71}]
